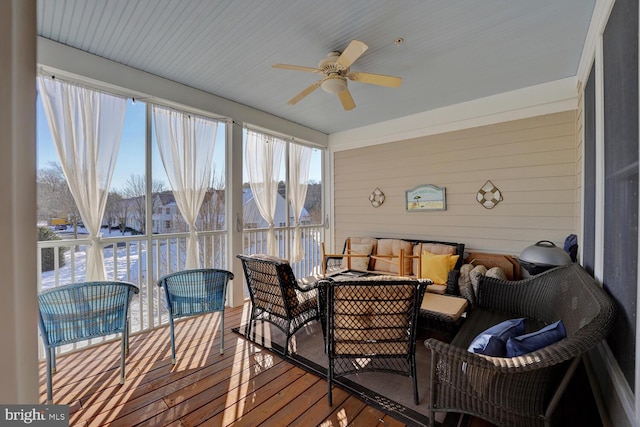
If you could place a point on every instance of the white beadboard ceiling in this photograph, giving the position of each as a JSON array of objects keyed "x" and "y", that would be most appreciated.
[{"x": 453, "y": 51}]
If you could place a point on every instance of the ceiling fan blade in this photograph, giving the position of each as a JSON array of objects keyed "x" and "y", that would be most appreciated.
[
  {"x": 355, "y": 49},
  {"x": 347, "y": 100},
  {"x": 297, "y": 68},
  {"x": 304, "y": 93},
  {"x": 375, "y": 79}
]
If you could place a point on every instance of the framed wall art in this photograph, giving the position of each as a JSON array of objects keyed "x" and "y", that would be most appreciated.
[{"x": 426, "y": 197}]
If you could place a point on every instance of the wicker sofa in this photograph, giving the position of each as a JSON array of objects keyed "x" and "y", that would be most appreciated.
[
  {"x": 520, "y": 391},
  {"x": 384, "y": 258}
]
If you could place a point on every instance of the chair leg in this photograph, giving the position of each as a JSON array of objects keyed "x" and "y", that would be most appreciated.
[
  {"x": 123, "y": 351},
  {"x": 289, "y": 334},
  {"x": 286, "y": 345},
  {"x": 221, "y": 329},
  {"x": 416, "y": 400},
  {"x": 49, "y": 356},
  {"x": 329, "y": 381},
  {"x": 126, "y": 331},
  {"x": 252, "y": 320},
  {"x": 173, "y": 341}
]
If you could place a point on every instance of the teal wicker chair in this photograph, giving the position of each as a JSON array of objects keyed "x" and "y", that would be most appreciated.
[
  {"x": 81, "y": 311},
  {"x": 192, "y": 292}
]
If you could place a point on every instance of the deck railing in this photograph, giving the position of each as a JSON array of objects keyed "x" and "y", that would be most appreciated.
[
  {"x": 255, "y": 241},
  {"x": 127, "y": 258}
]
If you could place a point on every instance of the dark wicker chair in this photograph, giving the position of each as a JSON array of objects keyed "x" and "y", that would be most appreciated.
[
  {"x": 276, "y": 296},
  {"x": 373, "y": 320},
  {"x": 192, "y": 292},
  {"x": 520, "y": 391},
  {"x": 81, "y": 311}
]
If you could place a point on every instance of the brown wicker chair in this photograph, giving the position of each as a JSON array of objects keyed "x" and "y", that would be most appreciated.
[
  {"x": 520, "y": 391},
  {"x": 372, "y": 320},
  {"x": 276, "y": 296}
]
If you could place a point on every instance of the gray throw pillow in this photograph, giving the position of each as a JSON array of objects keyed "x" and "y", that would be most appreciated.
[
  {"x": 497, "y": 273},
  {"x": 474, "y": 275},
  {"x": 464, "y": 284}
]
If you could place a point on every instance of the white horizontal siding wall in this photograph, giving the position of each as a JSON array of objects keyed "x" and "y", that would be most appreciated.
[{"x": 532, "y": 161}]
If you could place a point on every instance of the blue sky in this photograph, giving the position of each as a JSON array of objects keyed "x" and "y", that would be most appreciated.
[{"x": 131, "y": 155}]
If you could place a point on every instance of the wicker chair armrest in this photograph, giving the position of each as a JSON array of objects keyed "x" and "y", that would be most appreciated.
[
  {"x": 516, "y": 386},
  {"x": 305, "y": 288},
  {"x": 548, "y": 356}
]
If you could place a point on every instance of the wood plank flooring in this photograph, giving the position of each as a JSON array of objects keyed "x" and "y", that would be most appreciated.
[{"x": 246, "y": 386}]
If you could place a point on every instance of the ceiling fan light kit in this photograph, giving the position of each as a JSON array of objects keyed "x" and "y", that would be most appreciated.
[
  {"x": 335, "y": 71},
  {"x": 334, "y": 85}
]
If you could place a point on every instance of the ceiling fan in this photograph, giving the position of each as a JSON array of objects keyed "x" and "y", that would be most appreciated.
[{"x": 335, "y": 70}]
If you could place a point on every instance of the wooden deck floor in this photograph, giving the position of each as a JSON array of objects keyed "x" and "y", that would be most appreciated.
[
  {"x": 243, "y": 387},
  {"x": 247, "y": 386}
]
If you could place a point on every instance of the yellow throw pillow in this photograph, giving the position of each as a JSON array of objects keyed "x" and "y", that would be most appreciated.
[
  {"x": 452, "y": 261},
  {"x": 437, "y": 267}
]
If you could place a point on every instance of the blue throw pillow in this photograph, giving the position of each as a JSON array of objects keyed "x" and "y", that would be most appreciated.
[
  {"x": 517, "y": 346},
  {"x": 492, "y": 342}
]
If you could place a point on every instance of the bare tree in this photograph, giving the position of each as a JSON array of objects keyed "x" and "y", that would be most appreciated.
[
  {"x": 122, "y": 215},
  {"x": 212, "y": 211},
  {"x": 134, "y": 191},
  {"x": 112, "y": 209},
  {"x": 54, "y": 197}
]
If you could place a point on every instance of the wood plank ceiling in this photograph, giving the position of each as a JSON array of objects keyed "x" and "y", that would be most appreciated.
[{"x": 453, "y": 51}]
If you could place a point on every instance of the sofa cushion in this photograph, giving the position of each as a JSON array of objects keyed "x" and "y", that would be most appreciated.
[
  {"x": 443, "y": 305},
  {"x": 366, "y": 240},
  {"x": 439, "y": 248},
  {"x": 392, "y": 247},
  {"x": 437, "y": 289},
  {"x": 437, "y": 267},
  {"x": 492, "y": 341},
  {"x": 523, "y": 344},
  {"x": 359, "y": 263}
]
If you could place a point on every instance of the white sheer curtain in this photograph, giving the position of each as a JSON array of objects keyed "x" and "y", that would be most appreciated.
[
  {"x": 86, "y": 127},
  {"x": 186, "y": 146},
  {"x": 299, "y": 161},
  {"x": 263, "y": 159}
]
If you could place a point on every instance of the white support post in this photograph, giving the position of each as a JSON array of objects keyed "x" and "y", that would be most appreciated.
[
  {"x": 18, "y": 305},
  {"x": 234, "y": 212}
]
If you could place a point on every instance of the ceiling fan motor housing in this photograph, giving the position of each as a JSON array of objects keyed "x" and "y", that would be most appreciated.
[{"x": 334, "y": 81}]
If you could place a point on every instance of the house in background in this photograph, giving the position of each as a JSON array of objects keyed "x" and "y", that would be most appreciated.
[
  {"x": 253, "y": 218},
  {"x": 562, "y": 149},
  {"x": 165, "y": 213},
  {"x": 166, "y": 217}
]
